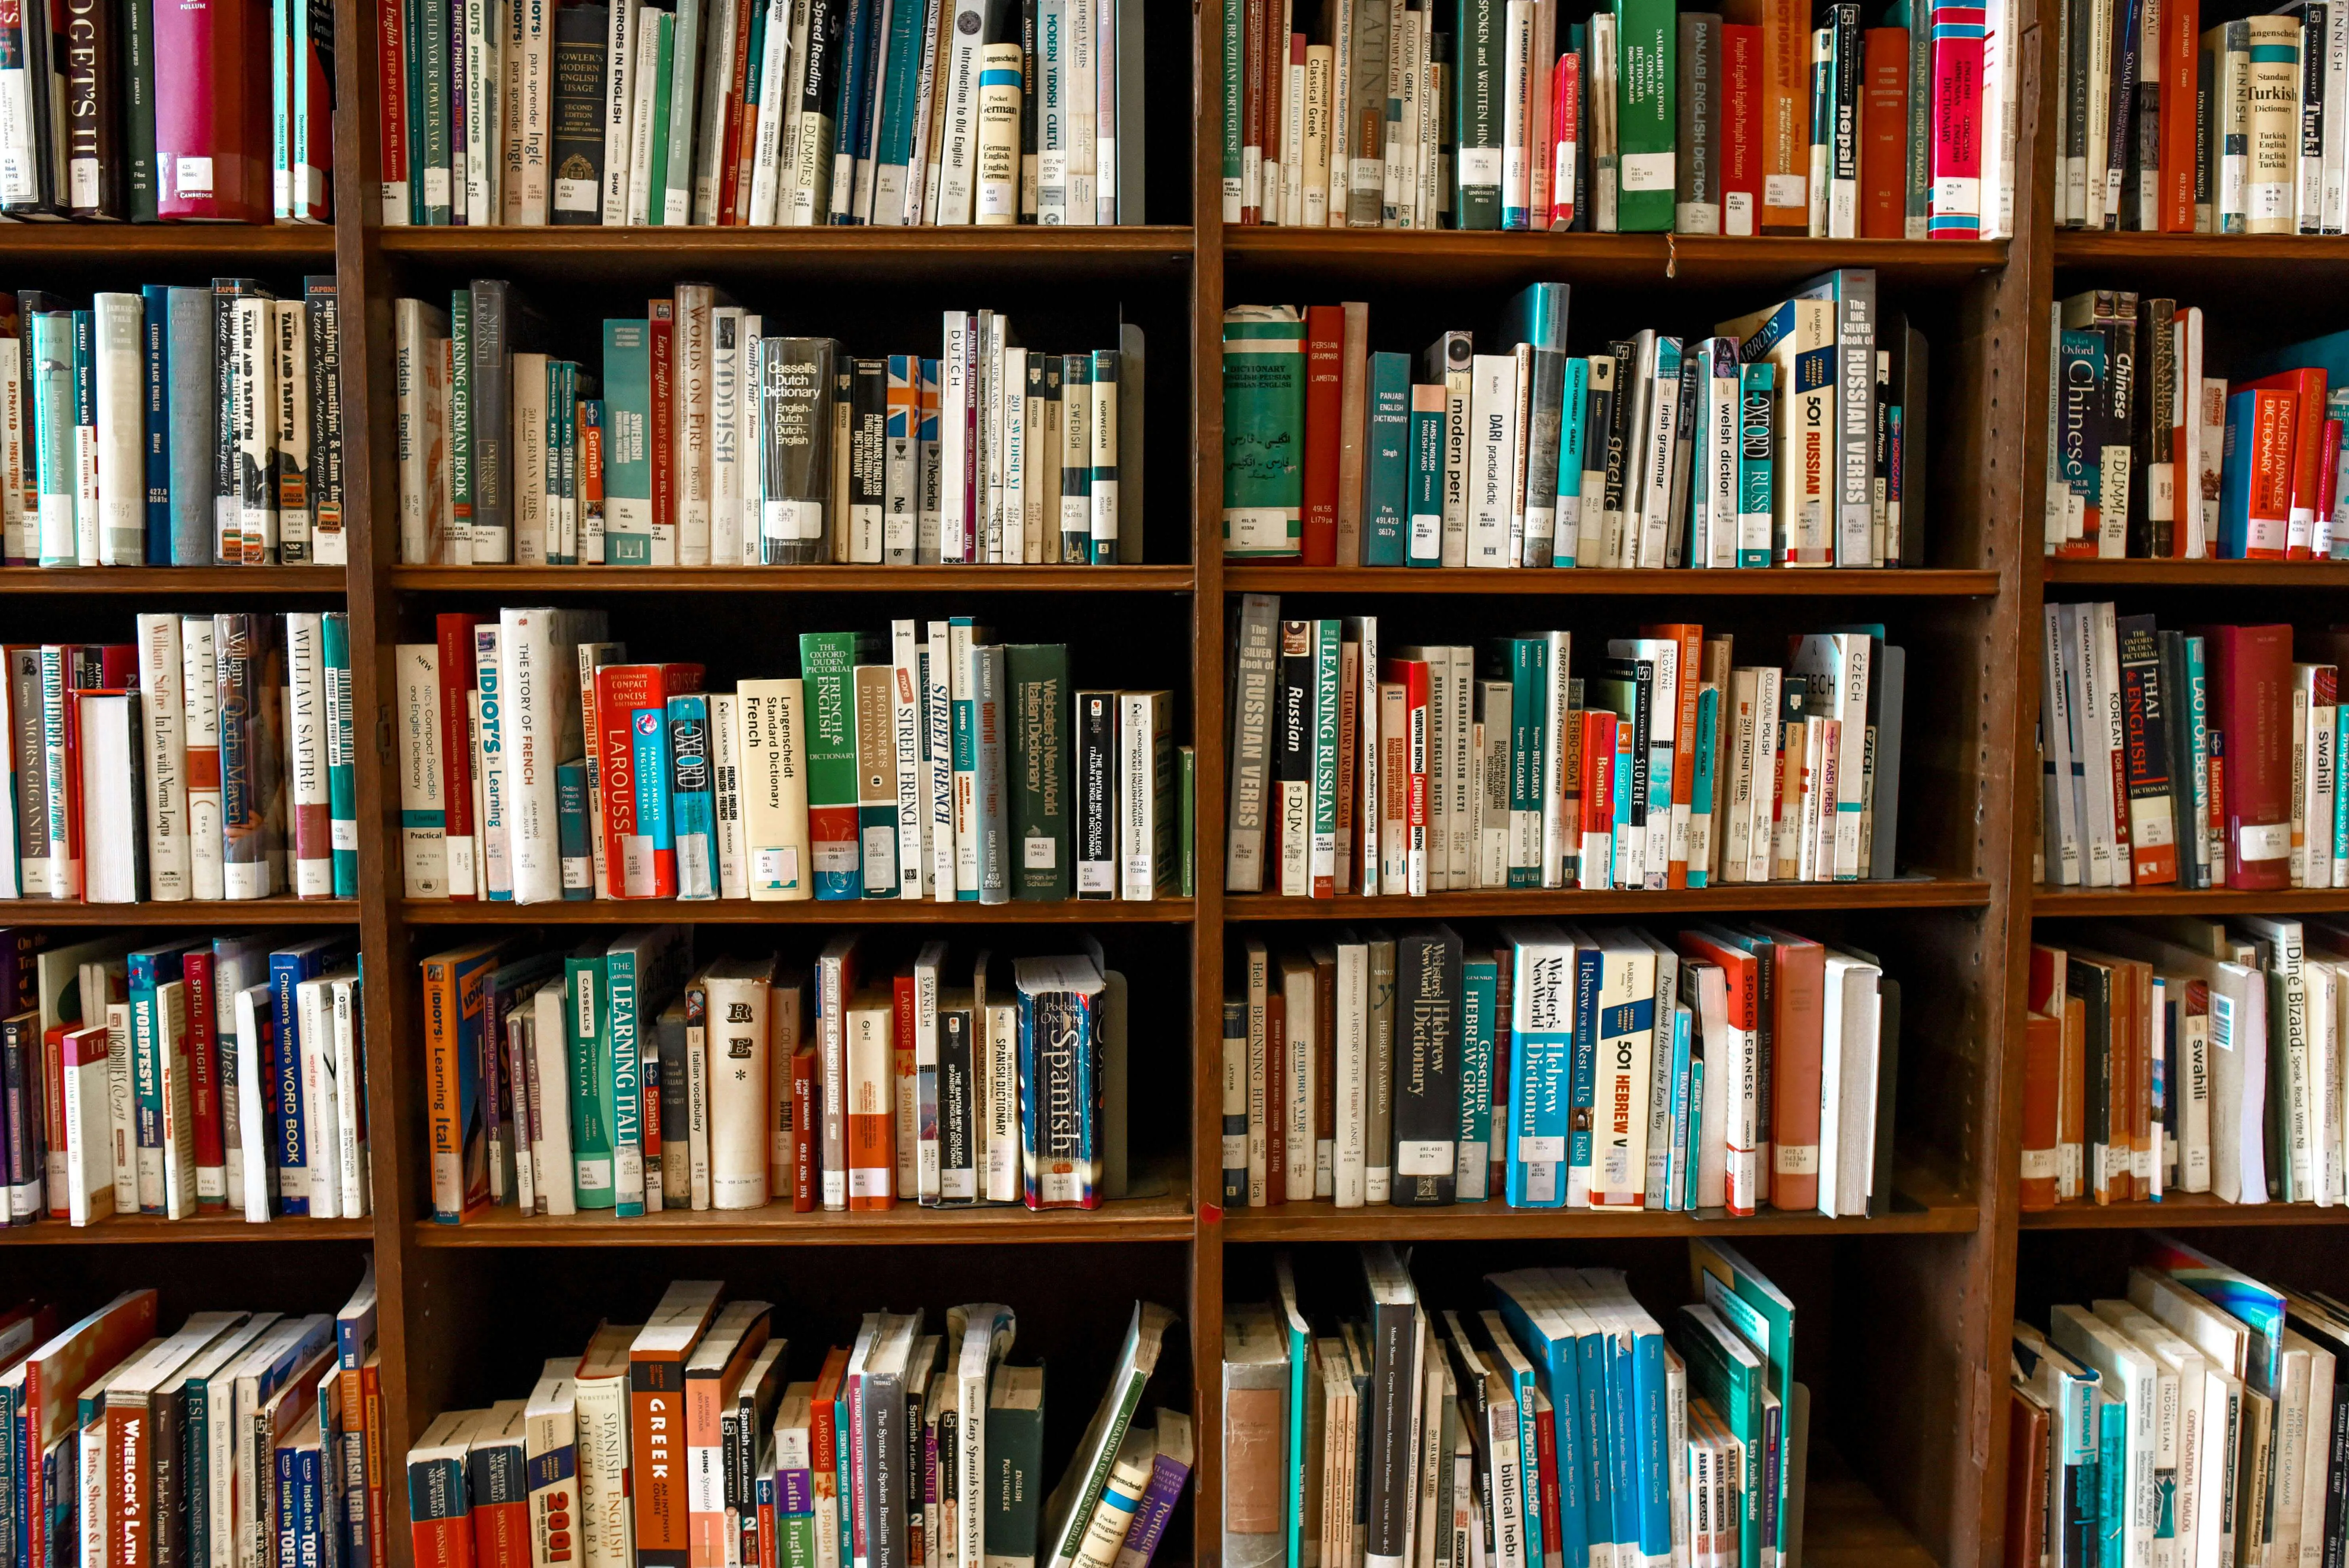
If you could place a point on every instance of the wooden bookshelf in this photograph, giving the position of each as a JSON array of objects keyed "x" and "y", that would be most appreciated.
[
  {"x": 2333, "y": 574},
  {"x": 1905, "y": 1471}
]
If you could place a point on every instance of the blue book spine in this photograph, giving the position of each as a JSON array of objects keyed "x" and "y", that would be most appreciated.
[
  {"x": 309, "y": 1507},
  {"x": 1539, "y": 1116},
  {"x": 1573, "y": 414},
  {"x": 146, "y": 1074},
  {"x": 287, "y": 971},
  {"x": 1622, "y": 1447},
  {"x": 694, "y": 817},
  {"x": 2112, "y": 1482},
  {"x": 1702, "y": 784},
  {"x": 1583, "y": 1082},
  {"x": 839, "y": 1472},
  {"x": 1676, "y": 1180},
  {"x": 1654, "y": 1458},
  {"x": 289, "y": 1509},
  {"x": 1480, "y": 984},
  {"x": 1590, "y": 1356},
  {"x": 1624, "y": 735},
  {"x": 650, "y": 727},
  {"x": 1695, "y": 1121},
  {"x": 572, "y": 831},
  {"x": 155, "y": 406},
  {"x": 1756, "y": 455},
  {"x": 12, "y": 1486},
  {"x": 2234, "y": 467}
]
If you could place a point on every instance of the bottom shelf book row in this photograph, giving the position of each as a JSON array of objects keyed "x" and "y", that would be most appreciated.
[{"x": 1563, "y": 1420}]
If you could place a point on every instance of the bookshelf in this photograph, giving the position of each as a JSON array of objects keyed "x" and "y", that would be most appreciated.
[{"x": 1909, "y": 1431}]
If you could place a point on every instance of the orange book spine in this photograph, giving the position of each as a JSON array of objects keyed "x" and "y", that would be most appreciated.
[
  {"x": 656, "y": 1449},
  {"x": 1786, "y": 117},
  {"x": 1884, "y": 136},
  {"x": 2181, "y": 47},
  {"x": 2042, "y": 1063},
  {"x": 1796, "y": 1073},
  {"x": 903, "y": 1085},
  {"x": 872, "y": 1107},
  {"x": 1690, "y": 639},
  {"x": 705, "y": 1543}
]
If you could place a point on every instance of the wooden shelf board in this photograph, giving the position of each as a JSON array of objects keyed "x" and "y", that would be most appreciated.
[
  {"x": 144, "y": 1230},
  {"x": 1846, "y": 1525},
  {"x": 1398, "y": 257},
  {"x": 794, "y": 579},
  {"x": 808, "y": 912},
  {"x": 151, "y": 580},
  {"x": 1133, "y": 1220},
  {"x": 2219, "y": 900},
  {"x": 592, "y": 251},
  {"x": 1906, "y": 893},
  {"x": 167, "y": 243},
  {"x": 2196, "y": 1209},
  {"x": 2081, "y": 247},
  {"x": 1856, "y": 584},
  {"x": 2198, "y": 573},
  {"x": 1495, "y": 1220},
  {"x": 227, "y": 913}
]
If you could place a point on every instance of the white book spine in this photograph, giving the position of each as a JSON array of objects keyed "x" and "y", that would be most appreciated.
[
  {"x": 350, "y": 1162},
  {"x": 118, "y": 330},
  {"x": 726, "y": 468},
  {"x": 1492, "y": 447},
  {"x": 959, "y": 166},
  {"x": 552, "y": 1135},
  {"x": 484, "y": 859},
  {"x": 740, "y": 1059},
  {"x": 530, "y": 642},
  {"x": 201, "y": 743},
  {"x": 910, "y": 735},
  {"x": 163, "y": 712},
  {"x": 1002, "y": 1103},
  {"x": 645, "y": 86},
  {"x": 692, "y": 419},
  {"x": 733, "y": 867},
  {"x": 1081, "y": 49},
  {"x": 1145, "y": 751},
  {"x": 619, "y": 108},
  {"x": 954, "y": 440},
  {"x": 308, "y": 831},
  {"x": 937, "y": 767}
]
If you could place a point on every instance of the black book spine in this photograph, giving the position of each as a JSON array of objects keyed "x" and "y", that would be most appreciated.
[
  {"x": 2129, "y": 39},
  {"x": 1427, "y": 1066},
  {"x": 167, "y": 1494},
  {"x": 1096, "y": 794},
  {"x": 1627, "y": 369},
  {"x": 886, "y": 1451},
  {"x": 491, "y": 417},
  {"x": 325, "y": 323},
  {"x": 797, "y": 463},
  {"x": 2313, "y": 31},
  {"x": 957, "y": 1170},
  {"x": 1030, "y": 80},
  {"x": 868, "y": 451},
  {"x": 582, "y": 44},
  {"x": 138, "y": 151},
  {"x": 1387, "y": 1454},
  {"x": 228, "y": 505}
]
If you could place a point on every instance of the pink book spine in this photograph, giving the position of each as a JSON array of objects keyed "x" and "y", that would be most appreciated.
[
  {"x": 205, "y": 156},
  {"x": 1543, "y": 126},
  {"x": 1955, "y": 177},
  {"x": 1565, "y": 111}
]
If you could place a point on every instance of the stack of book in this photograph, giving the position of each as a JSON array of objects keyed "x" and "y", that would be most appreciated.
[
  {"x": 624, "y": 1075},
  {"x": 2124, "y": 1095},
  {"x": 2203, "y": 760},
  {"x": 193, "y": 1077},
  {"x": 1792, "y": 437},
  {"x": 2213, "y": 1391},
  {"x": 210, "y": 760},
  {"x": 536, "y": 763},
  {"x": 2148, "y": 457},
  {"x": 763, "y": 112},
  {"x": 148, "y": 112},
  {"x": 711, "y": 445},
  {"x": 2170, "y": 128},
  {"x": 253, "y": 1436},
  {"x": 1744, "y": 121},
  {"x": 173, "y": 426},
  {"x": 1553, "y": 1067},
  {"x": 921, "y": 1441},
  {"x": 1420, "y": 769},
  {"x": 1562, "y": 1422}
]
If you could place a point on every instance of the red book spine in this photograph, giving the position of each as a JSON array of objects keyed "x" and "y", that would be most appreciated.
[
  {"x": 1565, "y": 137},
  {"x": 53, "y": 1113},
  {"x": 1325, "y": 333},
  {"x": 213, "y": 151},
  {"x": 126, "y": 1485},
  {"x": 391, "y": 109},
  {"x": 621, "y": 692},
  {"x": 455, "y": 634},
  {"x": 661, "y": 338},
  {"x": 803, "y": 1129},
  {"x": 117, "y": 666},
  {"x": 1954, "y": 210},
  {"x": 1598, "y": 797},
  {"x": 371, "y": 1443},
  {"x": 2305, "y": 389},
  {"x": 738, "y": 87},
  {"x": 501, "y": 1529},
  {"x": 902, "y": 1086},
  {"x": 203, "y": 1081},
  {"x": 2181, "y": 44},
  {"x": 2250, "y": 686},
  {"x": 1884, "y": 136},
  {"x": 1740, "y": 130},
  {"x": 1545, "y": 1445}
]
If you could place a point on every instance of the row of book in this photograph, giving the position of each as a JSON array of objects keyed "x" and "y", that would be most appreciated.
[
  {"x": 920, "y": 1441},
  {"x": 1793, "y": 437},
  {"x": 249, "y": 1437},
  {"x": 2203, "y": 758},
  {"x": 713, "y": 445},
  {"x": 537, "y": 764},
  {"x": 1367, "y": 1422},
  {"x": 173, "y": 427},
  {"x": 1430, "y": 767},
  {"x": 1713, "y": 1072},
  {"x": 627, "y": 1074},
  {"x": 2192, "y": 1419},
  {"x": 2187, "y": 1055},
  {"x": 1748, "y": 120},
  {"x": 152, "y": 113},
  {"x": 2148, "y": 457},
  {"x": 2171, "y": 127},
  {"x": 199, "y": 1076},
  {"x": 210, "y": 760},
  {"x": 743, "y": 112}
]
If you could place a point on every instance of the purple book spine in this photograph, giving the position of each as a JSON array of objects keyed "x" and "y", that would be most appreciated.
[{"x": 1166, "y": 1478}]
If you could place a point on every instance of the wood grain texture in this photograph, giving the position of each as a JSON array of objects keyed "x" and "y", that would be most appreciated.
[
  {"x": 1137, "y": 1219},
  {"x": 271, "y": 912},
  {"x": 154, "y": 581},
  {"x": 593, "y": 582},
  {"x": 807, "y": 912},
  {"x": 2074, "y": 572},
  {"x": 1661, "y": 585},
  {"x": 207, "y": 1228}
]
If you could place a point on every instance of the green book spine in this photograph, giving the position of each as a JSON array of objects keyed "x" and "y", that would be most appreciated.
[
  {"x": 1264, "y": 431},
  {"x": 432, "y": 130},
  {"x": 900, "y": 87},
  {"x": 623, "y": 1018},
  {"x": 413, "y": 16},
  {"x": 1386, "y": 468},
  {"x": 828, "y": 661},
  {"x": 627, "y": 444},
  {"x": 1325, "y": 636},
  {"x": 1917, "y": 180},
  {"x": 1645, "y": 114},
  {"x": 1573, "y": 412},
  {"x": 680, "y": 72},
  {"x": 1186, "y": 812},
  {"x": 342, "y": 773},
  {"x": 1477, "y": 41},
  {"x": 1734, "y": 1389},
  {"x": 1234, "y": 56},
  {"x": 592, "y": 1088},
  {"x": 665, "y": 63},
  {"x": 460, "y": 410},
  {"x": 1039, "y": 676},
  {"x": 1015, "y": 1482}
]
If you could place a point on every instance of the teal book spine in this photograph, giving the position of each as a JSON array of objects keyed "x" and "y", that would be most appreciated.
[
  {"x": 1529, "y": 753},
  {"x": 1756, "y": 455},
  {"x": 1386, "y": 466},
  {"x": 592, "y": 1086},
  {"x": 1573, "y": 423},
  {"x": 1479, "y": 995},
  {"x": 1425, "y": 538},
  {"x": 342, "y": 772},
  {"x": 1478, "y": 45},
  {"x": 627, "y": 444},
  {"x": 1688, "y": 1154},
  {"x": 828, "y": 661},
  {"x": 1677, "y": 1181},
  {"x": 572, "y": 832},
  {"x": 681, "y": 73},
  {"x": 53, "y": 442},
  {"x": 1702, "y": 781},
  {"x": 622, "y": 1018},
  {"x": 1264, "y": 431},
  {"x": 900, "y": 87},
  {"x": 1646, "y": 114}
]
